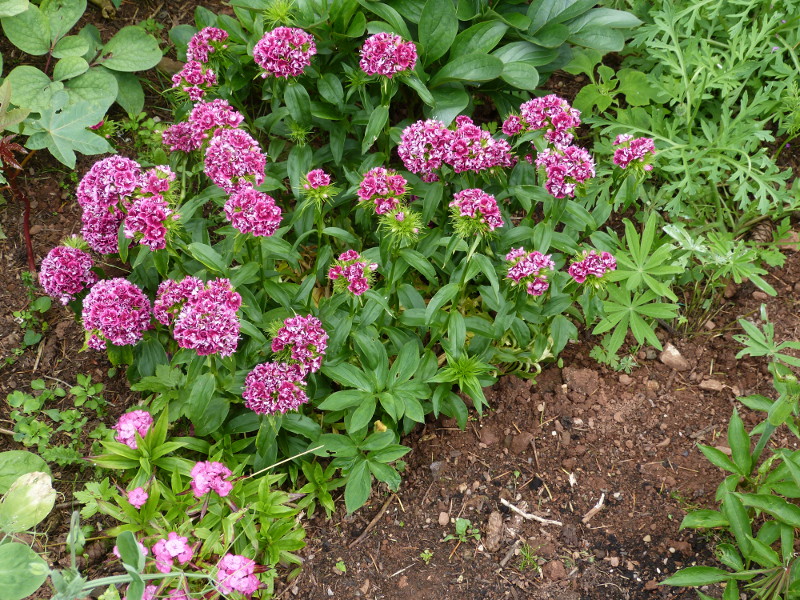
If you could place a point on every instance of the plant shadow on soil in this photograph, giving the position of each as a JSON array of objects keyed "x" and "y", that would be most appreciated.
[{"x": 551, "y": 448}]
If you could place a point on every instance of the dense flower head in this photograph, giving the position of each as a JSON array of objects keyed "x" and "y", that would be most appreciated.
[
  {"x": 100, "y": 229},
  {"x": 172, "y": 295},
  {"x": 551, "y": 113},
  {"x": 142, "y": 548},
  {"x": 129, "y": 424},
  {"x": 474, "y": 149},
  {"x": 137, "y": 497},
  {"x": 424, "y": 146},
  {"x": 529, "y": 269},
  {"x": 302, "y": 340},
  {"x": 634, "y": 150},
  {"x": 480, "y": 210},
  {"x": 66, "y": 272},
  {"x": 115, "y": 311},
  {"x": 284, "y": 52},
  {"x": 211, "y": 476},
  {"x": 207, "y": 116},
  {"x": 387, "y": 54},
  {"x": 592, "y": 264},
  {"x": 147, "y": 221},
  {"x": 183, "y": 136},
  {"x": 384, "y": 187},
  {"x": 194, "y": 79},
  {"x": 237, "y": 573},
  {"x": 109, "y": 181},
  {"x": 156, "y": 181},
  {"x": 173, "y": 547},
  {"x": 207, "y": 322},
  {"x": 566, "y": 168},
  {"x": 274, "y": 387},
  {"x": 251, "y": 211},
  {"x": 316, "y": 179},
  {"x": 234, "y": 159},
  {"x": 206, "y": 41},
  {"x": 351, "y": 272}
]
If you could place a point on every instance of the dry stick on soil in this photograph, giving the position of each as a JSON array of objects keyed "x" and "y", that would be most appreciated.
[
  {"x": 529, "y": 516},
  {"x": 372, "y": 523},
  {"x": 510, "y": 553},
  {"x": 594, "y": 510}
]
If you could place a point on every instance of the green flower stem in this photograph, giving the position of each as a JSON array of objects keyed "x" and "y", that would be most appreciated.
[
  {"x": 462, "y": 284},
  {"x": 114, "y": 579}
]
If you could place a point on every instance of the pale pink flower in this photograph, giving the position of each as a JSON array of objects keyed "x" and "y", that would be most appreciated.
[
  {"x": 210, "y": 476},
  {"x": 129, "y": 424},
  {"x": 137, "y": 496},
  {"x": 237, "y": 573},
  {"x": 174, "y": 547}
]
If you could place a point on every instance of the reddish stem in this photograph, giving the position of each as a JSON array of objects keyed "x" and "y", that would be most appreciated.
[{"x": 26, "y": 218}]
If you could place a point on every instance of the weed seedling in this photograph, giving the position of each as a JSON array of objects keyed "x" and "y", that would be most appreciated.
[{"x": 426, "y": 556}]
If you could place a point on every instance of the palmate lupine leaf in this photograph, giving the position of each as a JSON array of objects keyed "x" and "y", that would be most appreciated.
[{"x": 64, "y": 132}]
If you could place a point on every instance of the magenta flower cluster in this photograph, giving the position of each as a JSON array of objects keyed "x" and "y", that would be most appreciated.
[
  {"x": 387, "y": 54},
  {"x": 633, "y": 150},
  {"x": 205, "y": 317},
  {"x": 566, "y": 168},
  {"x": 352, "y": 272},
  {"x": 477, "y": 205},
  {"x": 237, "y": 573},
  {"x": 274, "y": 387},
  {"x": 204, "y": 119},
  {"x": 316, "y": 179},
  {"x": 251, "y": 211},
  {"x": 115, "y": 311},
  {"x": 592, "y": 265},
  {"x": 424, "y": 146},
  {"x": 129, "y": 424},
  {"x": 284, "y": 52},
  {"x": 167, "y": 551},
  {"x": 205, "y": 42},
  {"x": 65, "y": 272},
  {"x": 383, "y": 187},
  {"x": 234, "y": 159},
  {"x": 551, "y": 113},
  {"x": 148, "y": 215},
  {"x": 530, "y": 269},
  {"x": 194, "y": 79},
  {"x": 211, "y": 476},
  {"x": 100, "y": 194},
  {"x": 303, "y": 341},
  {"x": 474, "y": 149}
]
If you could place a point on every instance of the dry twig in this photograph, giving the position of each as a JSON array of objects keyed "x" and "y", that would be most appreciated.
[{"x": 529, "y": 516}]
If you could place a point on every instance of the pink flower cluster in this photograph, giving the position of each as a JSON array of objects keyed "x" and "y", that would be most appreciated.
[
  {"x": 530, "y": 269},
  {"x": 634, "y": 150},
  {"x": 424, "y": 146},
  {"x": 316, "y": 179},
  {"x": 204, "y": 119},
  {"x": 237, "y": 573},
  {"x": 551, "y": 113},
  {"x": 115, "y": 311},
  {"x": 566, "y": 167},
  {"x": 149, "y": 215},
  {"x": 194, "y": 79},
  {"x": 251, "y": 211},
  {"x": 592, "y": 264},
  {"x": 166, "y": 551},
  {"x": 129, "y": 424},
  {"x": 477, "y": 205},
  {"x": 385, "y": 187},
  {"x": 206, "y": 318},
  {"x": 351, "y": 272},
  {"x": 137, "y": 498},
  {"x": 474, "y": 149},
  {"x": 210, "y": 476},
  {"x": 234, "y": 159},
  {"x": 66, "y": 272},
  {"x": 304, "y": 340},
  {"x": 284, "y": 52},
  {"x": 274, "y": 387},
  {"x": 206, "y": 41},
  {"x": 100, "y": 193},
  {"x": 387, "y": 54}
]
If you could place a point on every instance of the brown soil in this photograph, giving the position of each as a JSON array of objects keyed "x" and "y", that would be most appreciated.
[{"x": 552, "y": 448}]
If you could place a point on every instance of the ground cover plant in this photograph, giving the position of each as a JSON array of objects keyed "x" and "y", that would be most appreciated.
[{"x": 364, "y": 253}]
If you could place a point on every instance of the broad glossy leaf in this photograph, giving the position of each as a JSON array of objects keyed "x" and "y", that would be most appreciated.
[
  {"x": 131, "y": 49},
  {"x": 72, "y": 45},
  {"x": 449, "y": 102},
  {"x": 22, "y": 571},
  {"x": 130, "y": 95},
  {"x": 9, "y": 8},
  {"x": 469, "y": 67},
  {"x": 70, "y": 67},
  {"x": 62, "y": 15},
  {"x": 29, "y": 31},
  {"x": 481, "y": 37},
  {"x": 438, "y": 27},
  {"x": 27, "y": 503},
  {"x": 15, "y": 463},
  {"x": 97, "y": 87},
  {"x": 65, "y": 133},
  {"x": 521, "y": 75}
]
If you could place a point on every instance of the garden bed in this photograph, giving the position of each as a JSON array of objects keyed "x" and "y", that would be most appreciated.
[{"x": 611, "y": 456}]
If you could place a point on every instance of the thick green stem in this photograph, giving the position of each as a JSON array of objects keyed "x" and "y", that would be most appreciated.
[{"x": 114, "y": 579}]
